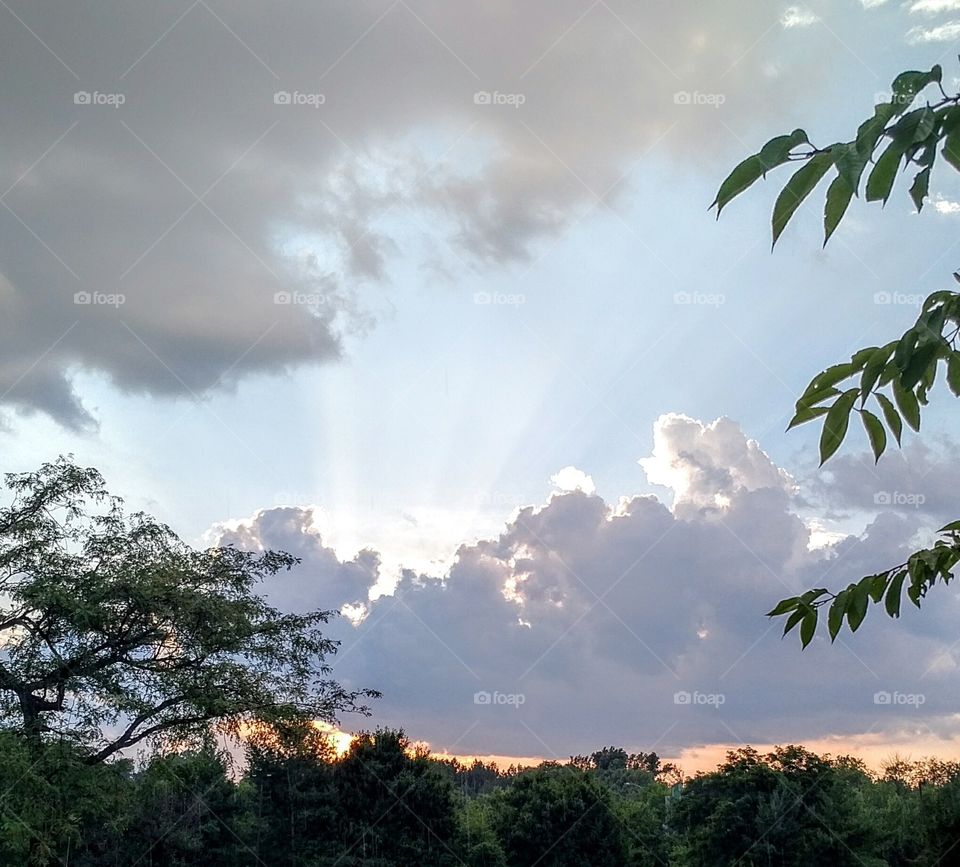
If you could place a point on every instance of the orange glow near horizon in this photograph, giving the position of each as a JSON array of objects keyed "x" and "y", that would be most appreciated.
[{"x": 874, "y": 749}]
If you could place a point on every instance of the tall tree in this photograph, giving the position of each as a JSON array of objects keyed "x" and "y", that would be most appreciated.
[{"x": 113, "y": 631}]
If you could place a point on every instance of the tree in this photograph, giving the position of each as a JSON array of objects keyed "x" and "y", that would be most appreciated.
[
  {"x": 907, "y": 367},
  {"x": 114, "y": 632},
  {"x": 397, "y": 805},
  {"x": 558, "y": 815},
  {"x": 293, "y": 794},
  {"x": 790, "y": 807}
]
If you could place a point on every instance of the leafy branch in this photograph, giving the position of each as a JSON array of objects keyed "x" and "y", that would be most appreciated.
[
  {"x": 894, "y": 380},
  {"x": 911, "y": 138}
]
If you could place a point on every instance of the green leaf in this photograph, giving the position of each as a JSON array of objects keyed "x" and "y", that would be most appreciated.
[
  {"x": 894, "y": 591},
  {"x": 831, "y": 376},
  {"x": 913, "y": 593},
  {"x": 873, "y": 369},
  {"x": 951, "y": 149},
  {"x": 797, "y": 189},
  {"x": 913, "y": 127},
  {"x": 794, "y": 619},
  {"x": 923, "y": 362},
  {"x": 808, "y": 627},
  {"x": 905, "y": 347},
  {"x": 952, "y": 527},
  {"x": 953, "y": 372},
  {"x": 891, "y": 416},
  {"x": 807, "y": 413},
  {"x": 880, "y": 180},
  {"x": 921, "y": 185},
  {"x": 860, "y": 358},
  {"x": 783, "y": 606},
  {"x": 836, "y": 423},
  {"x": 875, "y": 432},
  {"x": 877, "y": 585},
  {"x": 775, "y": 152},
  {"x": 908, "y": 404},
  {"x": 839, "y": 194},
  {"x": 745, "y": 173},
  {"x": 857, "y": 607},
  {"x": 837, "y": 610},
  {"x": 908, "y": 84}
]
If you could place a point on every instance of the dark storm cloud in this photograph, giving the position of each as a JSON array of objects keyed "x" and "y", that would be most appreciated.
[{"x": 168, "y": 168}]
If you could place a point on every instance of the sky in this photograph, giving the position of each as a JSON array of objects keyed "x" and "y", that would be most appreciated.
[{"x": 429, "y": 294}]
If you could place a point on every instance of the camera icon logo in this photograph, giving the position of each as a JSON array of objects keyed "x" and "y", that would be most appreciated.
[
  {"x": 482, "y": 697},
  {"x": 82, "y": 298},
  {"x": 282, "y": 298},
  {"x": 82, "y": 97},
  {"x": 682, "y": 697},
  {"x": 682, "y": 97},
  {"x": 882, "y": 498},
  {"x": 882, "y": 697},
  {"x": 482, "y": 97},
  {"x": 282, "y": 97}
]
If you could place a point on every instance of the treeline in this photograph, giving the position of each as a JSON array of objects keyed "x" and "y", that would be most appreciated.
[{"x": 386, "y": 803}]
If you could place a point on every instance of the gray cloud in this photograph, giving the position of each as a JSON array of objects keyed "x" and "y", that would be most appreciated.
[
  {"x": 604, "y": 617},
  {"x": 921, "y": 482},
  {"x": 200, "y": 197}
]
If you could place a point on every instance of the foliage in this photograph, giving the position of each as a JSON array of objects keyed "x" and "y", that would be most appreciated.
[
  {"x": 898, "y": 376},
  {"x": 387, "y": 804},
  {"x": 113, "y": 631},
  {"x": 558, "y": 815}
]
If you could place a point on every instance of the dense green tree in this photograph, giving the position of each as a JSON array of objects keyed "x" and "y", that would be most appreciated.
[
  {"x": 396, "y": 804},
  {"x": 185, "y": 812},
  {"x": 790, "y": 807},
  {"x": 113, "y": 631},
  {"x": 558, "y": 815},
  {"x": 290, "y": 781},
  {"x": 477, "y": 842},
  {"x": 919, "y": 122},
  {"x": 54, "y": 806}
]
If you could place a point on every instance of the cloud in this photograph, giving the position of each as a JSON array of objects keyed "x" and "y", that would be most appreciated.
[
  {"x": 946, "y": 206},
  {"x": 920, "y": 482},
  {"x": 934, "y": 7},
  {"x": 706, "y": 465},
  {"x": 941, "y": 33},
  {"x": 797, "y": 16},
  {"x": 572, "y": 479},
  {"x": 584, "y": 622},
  {"x": 221, "y": 184}
]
